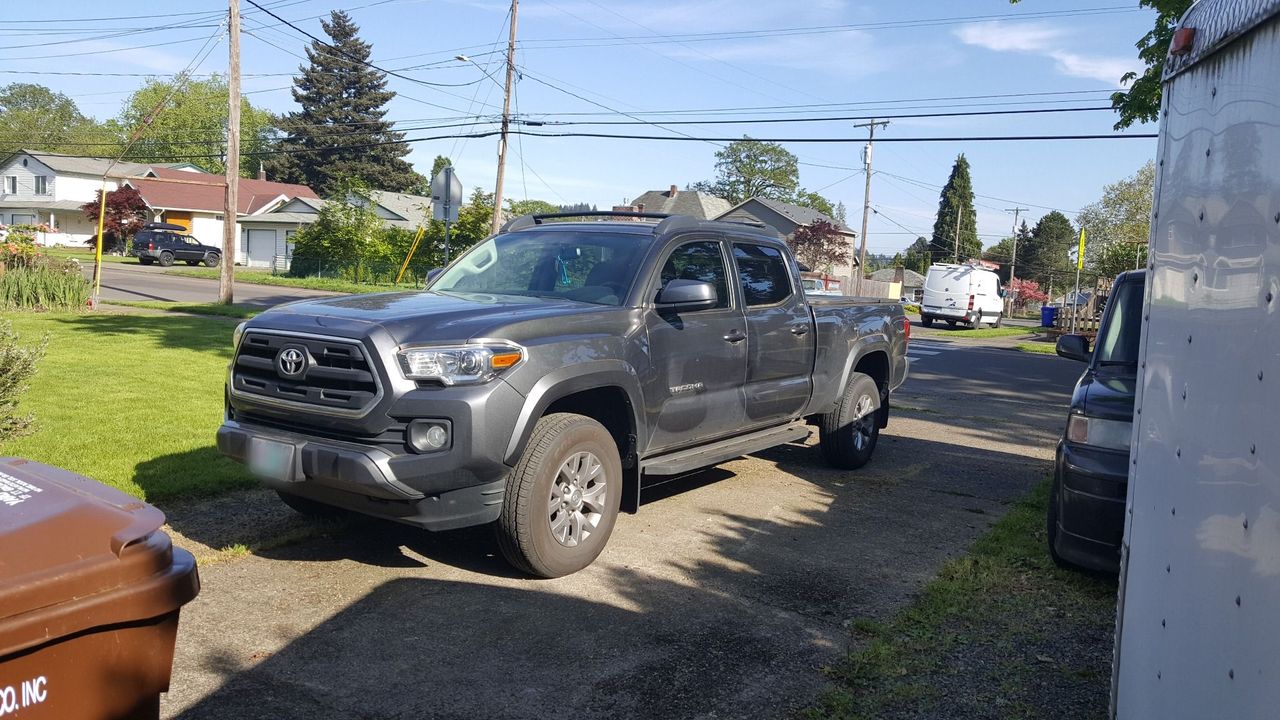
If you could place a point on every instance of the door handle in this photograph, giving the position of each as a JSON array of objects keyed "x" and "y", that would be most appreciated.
[
  {"x": 799, "y": 330},
  {"x": 735, "y": 336}
]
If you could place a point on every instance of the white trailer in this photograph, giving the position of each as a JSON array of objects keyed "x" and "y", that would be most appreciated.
[{"x": 1198, "y": 632}]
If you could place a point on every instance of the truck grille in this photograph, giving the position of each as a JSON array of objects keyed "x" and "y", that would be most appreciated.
[{"x": 337, "y": 377}]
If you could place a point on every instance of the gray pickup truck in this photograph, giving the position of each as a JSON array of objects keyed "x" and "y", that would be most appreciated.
[{"x": 550, "y": 373}]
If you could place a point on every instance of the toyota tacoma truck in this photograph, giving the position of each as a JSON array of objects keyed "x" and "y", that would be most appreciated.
[{"x": 551, "y": 372}]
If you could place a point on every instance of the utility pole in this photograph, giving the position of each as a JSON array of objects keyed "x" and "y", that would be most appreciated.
[
  {"x": 506, "y": 122},
  {"x": 958, "y": 216},
  {"x": 859, "y": 271},
  {"x": 225, "y": 277},
  {"x": 1013, "y": 260}
]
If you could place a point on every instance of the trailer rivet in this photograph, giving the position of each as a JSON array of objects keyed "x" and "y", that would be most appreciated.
[
  {"x": 1259, "y": 376},
  {"x": 1201, "y": 216},
  {"x": 1237, "y": 601},
  {"x": 1188, "y": 339},
  {"x": 1231, "y": 674},
  {"x": 1161, "y": 622},
  {"x": 1184, "y": 394},
  {"x": 1206, "y": 152},
  {"x": 1213, "y": 92},
  {"x": 1173, "y": 511},
  {"x": 1157, "y": 674},
  {"x": 1195, "y": 277},
  {"x": 1168, "y": 568},
  {"x": 1253, "y": 450},
  {"x": 1246, "y": 523},
  {"x": 1268, "y": 296},
  {"x": 1178, "y": 452},
  {"x": 1278, "y": 217}
]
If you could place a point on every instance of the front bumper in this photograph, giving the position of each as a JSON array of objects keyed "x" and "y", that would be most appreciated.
[
  {"x": 433, "y": 491},
  {"x": 1093, "y": 484}
]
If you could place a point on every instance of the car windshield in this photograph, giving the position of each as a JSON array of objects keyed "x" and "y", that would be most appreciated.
[
  {"x": 584, "y": 266},
  {"x": 1121, "y": 333}
]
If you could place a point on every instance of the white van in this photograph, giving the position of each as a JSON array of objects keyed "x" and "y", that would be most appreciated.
[{"x": 961, "y": 293}]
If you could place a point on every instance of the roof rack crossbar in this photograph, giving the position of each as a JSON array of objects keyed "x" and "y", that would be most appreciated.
[{"x": 525, "y": 221}]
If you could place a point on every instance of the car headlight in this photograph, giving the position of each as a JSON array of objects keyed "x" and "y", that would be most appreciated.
[
  {"x": 1113, "y": 434},
  {"x": 235, "y": 336},
  {"x": 459, "y": 365}
]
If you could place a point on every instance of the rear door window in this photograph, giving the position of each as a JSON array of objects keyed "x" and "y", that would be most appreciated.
[{"x": 762, "y": 272}]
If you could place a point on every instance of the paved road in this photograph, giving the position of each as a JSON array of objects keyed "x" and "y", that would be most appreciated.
[
  {"x": 126, "y": 281},
  {"x": 723, "y": 597}
]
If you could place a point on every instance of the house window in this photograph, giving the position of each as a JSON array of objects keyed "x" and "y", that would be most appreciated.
[
  {"x": 11, "y": 184},
  {"x": 24, "y": 219},
  {"x": 42, "y": 185}
]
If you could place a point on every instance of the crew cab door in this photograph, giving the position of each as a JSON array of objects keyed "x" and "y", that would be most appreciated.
[
  {"x": 780, "y": 337},
  {"x": 699, "y": 359}
]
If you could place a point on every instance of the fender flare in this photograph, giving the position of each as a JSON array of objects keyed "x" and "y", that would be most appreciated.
[
  {"x": 876, "y": 342},
  {"x": 565, "y": 381}
]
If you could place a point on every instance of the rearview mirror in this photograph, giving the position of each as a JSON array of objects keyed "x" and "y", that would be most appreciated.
[
  {"x": 1074, "y": 347},
  {"x": 687, "y": 296}
]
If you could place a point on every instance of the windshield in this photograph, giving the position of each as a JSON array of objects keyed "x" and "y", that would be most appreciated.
[
  {"x": 1120, "y": 334},
  {"x": 592, "y": 267}
]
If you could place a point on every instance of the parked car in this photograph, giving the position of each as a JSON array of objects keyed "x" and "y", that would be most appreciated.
[
  {"x": 961, "y": 293},
  {"x": 1091, "y": 471},
  {"x": 166, "y": 243},
  {"x": 552, "y": 371}
]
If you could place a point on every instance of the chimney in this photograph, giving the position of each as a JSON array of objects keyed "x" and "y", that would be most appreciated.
[
  {"x": 674, "y": 190},
  {"x": 262, "y": 171}
]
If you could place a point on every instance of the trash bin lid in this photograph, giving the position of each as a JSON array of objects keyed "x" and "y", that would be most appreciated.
[{"x": 64, "y": 537}]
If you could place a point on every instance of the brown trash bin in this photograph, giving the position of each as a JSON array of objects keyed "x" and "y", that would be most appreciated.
[{"x": 90, "y": 591}]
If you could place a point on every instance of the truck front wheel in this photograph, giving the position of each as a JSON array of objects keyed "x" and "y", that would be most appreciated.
[
  {"x": 562, "y": 498},
  {"x": 848, "y": 434}
]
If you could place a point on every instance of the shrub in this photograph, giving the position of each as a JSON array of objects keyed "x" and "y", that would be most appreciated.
[
  {"x": 43, "y": 286},
  {"x": 17, "y": 365}
]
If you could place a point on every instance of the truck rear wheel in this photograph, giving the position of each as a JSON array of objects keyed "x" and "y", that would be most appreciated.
[
  {"x": 847, "y": 435},
  {"x": 562, "y": 498},
  {"x": 166, "y": 259}
]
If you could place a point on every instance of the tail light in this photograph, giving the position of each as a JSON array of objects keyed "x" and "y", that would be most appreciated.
[
  {"x": 152, "y": 246},
  {"x": 906, "y": 330},
  {"x": 970, "y": 302}
]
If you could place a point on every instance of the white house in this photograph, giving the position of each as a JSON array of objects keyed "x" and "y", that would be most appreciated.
[
  {"x": 49, "y": 188},
  {"x": 266, "y": 238}
]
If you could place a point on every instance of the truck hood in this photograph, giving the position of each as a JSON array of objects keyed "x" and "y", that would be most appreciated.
[
  {"x": 1106, "y": 392},
  {"x": 424, "y": 316}
]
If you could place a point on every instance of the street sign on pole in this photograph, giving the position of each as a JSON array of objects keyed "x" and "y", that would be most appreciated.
[
  {"x": 446, "y": 195},
  {"x": 446, "y": 200}
]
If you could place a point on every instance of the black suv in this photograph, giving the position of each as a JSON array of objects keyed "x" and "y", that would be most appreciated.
[
  {"x": 1091, "y": 474},
  {"x": 164, "y": 243}
]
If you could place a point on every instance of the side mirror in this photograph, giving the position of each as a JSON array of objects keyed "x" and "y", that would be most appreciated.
[
  {"x": 1074, "y": 347},
  {"x": 434, "y": 273},
  {"x": 803, "y": 267},
  {"x": 687, "y": 296}
]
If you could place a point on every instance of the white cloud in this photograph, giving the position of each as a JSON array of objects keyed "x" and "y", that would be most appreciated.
[
  {"x": 1108, "y": 70},
  {"x": 1046, "y": 41},
  {"x": 1010, "y": 37}
]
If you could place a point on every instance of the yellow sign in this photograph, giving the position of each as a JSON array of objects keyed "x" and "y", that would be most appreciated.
[{"x": 1080, "y": 254}]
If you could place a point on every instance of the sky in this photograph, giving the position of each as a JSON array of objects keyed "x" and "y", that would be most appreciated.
[{"x": 652, "y": 64}]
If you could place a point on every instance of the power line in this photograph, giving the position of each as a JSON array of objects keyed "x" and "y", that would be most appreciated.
[{"x": 829, "y": 118}]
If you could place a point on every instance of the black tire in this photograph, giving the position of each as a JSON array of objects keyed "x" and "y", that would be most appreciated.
[
  {"x": 311, "y": 508},
  {"x": 997, "y": 322},
  {"x": 211, "y": 260},
  {"x": 847, "y": 435},
  {"x": 951, "y": 323},
  {"x": 926, "y": 320},
  {"x": 145, "y": 260},
  {"x": 166, "y": 259},
  {"x": 525, "y": 527},
  {"x": 193, "y": 262}
]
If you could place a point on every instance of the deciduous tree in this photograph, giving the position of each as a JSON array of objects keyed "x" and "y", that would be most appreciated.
[
  {"x": 749, "y": 168},
  {"x": 125, "y": 214},
  {"x": 1121, "y": 216},
  {"x": 820, "y": 245},
  {"x": 191, "y": 123},
  {"x": 33, "y": 117}
]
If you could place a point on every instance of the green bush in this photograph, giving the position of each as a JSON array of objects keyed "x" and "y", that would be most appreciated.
[
  {"x": 17, "y": 365},
  {"x": 43, "y": 287}
]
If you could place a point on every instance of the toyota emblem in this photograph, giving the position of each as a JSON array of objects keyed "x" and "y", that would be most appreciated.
[{"x": 291, "y": 362}]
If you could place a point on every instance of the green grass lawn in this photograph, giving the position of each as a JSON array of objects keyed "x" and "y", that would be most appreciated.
[
  {"x": 1037, "y": 347},
  {"x": 133, "y": 401},
  {"x": 85, "y": 255},
  {"x": 242, "y": 312},
  {"x": 984, "y": 332},
  {"x": 259, "y": 277},
  {"x": 1000, "y": 632}
]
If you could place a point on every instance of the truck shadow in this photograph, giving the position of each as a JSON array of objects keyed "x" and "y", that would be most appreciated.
[{"x": 723, "y": 596}]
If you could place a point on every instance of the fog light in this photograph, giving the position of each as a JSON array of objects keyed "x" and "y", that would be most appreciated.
[{"x": 426, "y": 436}]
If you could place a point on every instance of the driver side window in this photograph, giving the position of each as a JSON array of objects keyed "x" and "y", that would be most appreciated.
[{"x": 701, "y": 260}]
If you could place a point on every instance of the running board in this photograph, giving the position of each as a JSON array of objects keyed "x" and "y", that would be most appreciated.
[{"x": 684, "y": 461}]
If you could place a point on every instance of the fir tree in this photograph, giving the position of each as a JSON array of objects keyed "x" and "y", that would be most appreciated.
[
  {"x": 340, "y": 132},
  {"x": 956, "y": 203}
]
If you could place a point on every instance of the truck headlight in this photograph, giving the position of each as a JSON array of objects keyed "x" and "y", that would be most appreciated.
[
  {"x": 1112, "y": 434},
  {"x": 459, "y": 365},
  {"x": 235, "y": 336}
]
